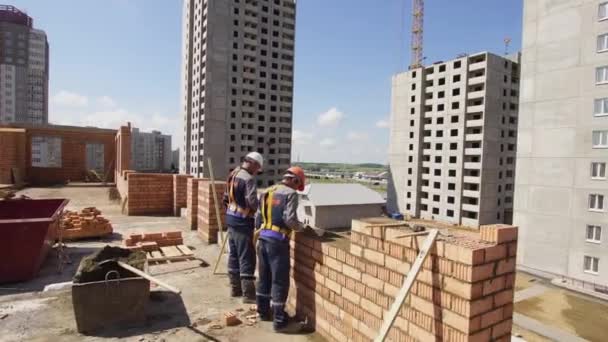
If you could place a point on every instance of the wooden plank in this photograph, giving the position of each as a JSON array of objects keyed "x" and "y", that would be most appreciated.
[
  {"x": 155, "y": 255},
  {"x": 185, "y": 250},
  {"x": 171, "y": 251},
  {"x": 175, "y": 258},
  {"x": 407, "y": 285}
]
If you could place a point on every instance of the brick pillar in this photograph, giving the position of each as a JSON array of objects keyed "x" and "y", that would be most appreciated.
[
  {"x": 123, "y": 149},
  {"x": 179, "y": 193},
  {"x": 464, "y": 292},
  {"x": 12, "y": 154},
  {"x": 207, "y": 224},
  {"x": 192, "y": 202}
]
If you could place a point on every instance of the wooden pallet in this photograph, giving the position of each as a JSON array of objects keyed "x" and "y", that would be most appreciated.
[{"x": 170, "y": 254}]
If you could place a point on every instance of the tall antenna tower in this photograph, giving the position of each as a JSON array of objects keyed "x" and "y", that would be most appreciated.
[
  {"x": 507, "y": 44},
  {"x": 417, "y": 33}
]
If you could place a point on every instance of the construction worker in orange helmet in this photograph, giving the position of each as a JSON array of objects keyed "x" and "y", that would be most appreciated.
[
  {"x": 241, "y": 202},
  {"x": 276, "y": 219}
]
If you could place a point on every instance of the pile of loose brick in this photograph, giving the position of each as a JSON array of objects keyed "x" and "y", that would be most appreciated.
[
  {"x": 149, "y": 242},
  {"x": 463, "y": 293},
  {"x": 207, "y": 223},
  {"x": 86, "y": 224}
]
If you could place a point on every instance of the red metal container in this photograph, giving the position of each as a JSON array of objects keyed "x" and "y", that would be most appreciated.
[{"x": 27, "y": 232}]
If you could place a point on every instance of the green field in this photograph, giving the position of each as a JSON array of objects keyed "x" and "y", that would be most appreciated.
[{"x": 336, "y": 167}]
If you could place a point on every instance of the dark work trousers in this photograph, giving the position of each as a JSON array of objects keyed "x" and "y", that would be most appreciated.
[
  {"x": 273, "y": 279},
  {"x": 241, "y": 257}
]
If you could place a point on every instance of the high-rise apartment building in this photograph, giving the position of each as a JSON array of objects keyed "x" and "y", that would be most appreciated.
[
  {"x": 238, "y": 62},
  {"x": 452, "y": 145},
  {"x": 150, "y": 151},
  {"x": 561, "y": 191},
  {"x": 24, "y": 69}
]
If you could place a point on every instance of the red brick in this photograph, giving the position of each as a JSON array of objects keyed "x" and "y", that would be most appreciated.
[
  {"x": 505, "y": 266},
  {"x": 491, "y": 318},
  {"x": 129, "y": 243},
  {"x": 172, "y": 235},
  {"x": 230, "y": 319},
  {"x": 493, "y": 285},
  {"x": 503, "y": 298},
  {"x": 152, "y": 236},
  {"x": 495, "y": 253}
]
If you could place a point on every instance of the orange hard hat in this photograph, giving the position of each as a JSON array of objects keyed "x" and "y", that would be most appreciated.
[{"x": 298, "y": 172}]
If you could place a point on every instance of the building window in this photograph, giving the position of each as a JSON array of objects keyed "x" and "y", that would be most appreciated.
[
  {"x": 602, "y": 43},
  {"x": 601, "y": 75},
  {"x": 591, "y": 264},
  {"x": 598, "y": 170},
  {"x": 596, "y": 202},
  {"x": 600, "y": 139},
  {"x": 594, "y": 233},
  {"x": 600, "y": 107},
  {"x": 603, "y": 11}
]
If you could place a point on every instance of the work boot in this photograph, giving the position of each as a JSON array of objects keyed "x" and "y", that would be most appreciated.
[
  {"x": 248, "y": 286},
  {"x": 292, "y": 327},
  {"x": 235, "y": 285},
  {"x": 263, "y": 308}
]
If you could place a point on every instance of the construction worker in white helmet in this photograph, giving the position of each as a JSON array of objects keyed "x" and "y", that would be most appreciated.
[
  {"x": 241, "y": 202},
  {"x": 277, "y": 219}
]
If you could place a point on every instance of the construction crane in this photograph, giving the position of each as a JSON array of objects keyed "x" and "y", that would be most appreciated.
[{"x": 417, "y": 33}]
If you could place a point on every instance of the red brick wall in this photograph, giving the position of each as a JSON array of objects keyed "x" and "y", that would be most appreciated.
[
  {"x": 207, "y": 224},
  {"x": 179, "y": 193},
  {"x": 12, "y": 153},
  {"x": 192, "y": 202},
  {"x": 73, "y": 152},
  {"x": 149, "y": 194},
  {"x": 463, "y": 293}
]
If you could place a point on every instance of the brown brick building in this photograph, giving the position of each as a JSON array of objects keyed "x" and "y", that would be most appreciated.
[{"x": 47, "y": 154}]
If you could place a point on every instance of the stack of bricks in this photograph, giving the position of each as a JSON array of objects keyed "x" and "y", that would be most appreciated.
[
  {"x": 150, "y": 193},
  {"x": 207, "y": 224},
  {"x": 153, "y": 241},
  {"x": 463, "y": 293},
  {"x": 179, "y": 193},
  {"x": 86, "y": 224},
  {"x": 192, "y": 202}
]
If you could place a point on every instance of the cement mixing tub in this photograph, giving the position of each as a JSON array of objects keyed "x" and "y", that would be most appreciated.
[{"x": 28, "y": 230}]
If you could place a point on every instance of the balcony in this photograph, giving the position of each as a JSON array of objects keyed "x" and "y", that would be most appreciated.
[
  {"x": 472, "y": 165},
  {"x": 478, "y": 66},
  {"x": 475, "y": 109},
  {"x": 474, "y": 123},
  {"x": 474, "y": 137},
  {"x": 477, "y": 80},
  {"x": 476, "y": 94},
  {"x": 470, "y": 207},
  {"x": 472, "y": 151},
  {"x": 470, "y": 193},
  {"x": 471, "y": 179}
]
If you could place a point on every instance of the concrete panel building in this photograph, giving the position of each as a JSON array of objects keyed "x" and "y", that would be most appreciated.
[
  {"x": 24, "y": 69},
  {"x": 150, "y": 151},
  {"x": 237, "y": 85},
  {"x": 452, "y": 140},
  {"x": 334, "y": 206},
  {"x": 561, "y": 187}
]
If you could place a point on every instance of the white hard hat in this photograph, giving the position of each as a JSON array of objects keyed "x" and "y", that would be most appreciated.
[{"x": 256, "y": 157}]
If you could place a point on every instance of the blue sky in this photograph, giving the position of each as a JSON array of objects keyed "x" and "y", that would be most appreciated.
[{"x": 119, "y": 60}]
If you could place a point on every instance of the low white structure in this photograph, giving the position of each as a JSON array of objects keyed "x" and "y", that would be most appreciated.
[{"x": 331, "y": 206}]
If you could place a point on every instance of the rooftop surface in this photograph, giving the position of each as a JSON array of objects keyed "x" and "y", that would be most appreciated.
[{"x": 328, "y": 194}]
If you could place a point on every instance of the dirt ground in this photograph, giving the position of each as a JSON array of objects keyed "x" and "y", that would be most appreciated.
[
  {"x": 577, "y": 314},
  {"x": 27, "y": 314}
]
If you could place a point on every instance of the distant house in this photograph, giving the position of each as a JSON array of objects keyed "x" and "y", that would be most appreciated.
[{"x": 330, "y": 206}]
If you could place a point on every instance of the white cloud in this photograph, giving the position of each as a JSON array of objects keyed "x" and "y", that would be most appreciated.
[
  {"x": 330, "y": 118},
  {"x": 357, "y": 136},
  {"x": 69, "y": 99},
  {"x": 106, "y": 101},
  {"x": 327, "y": 143},
  {"x": 382, "y": 124},
  {"x": 301, "y": 137}
]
